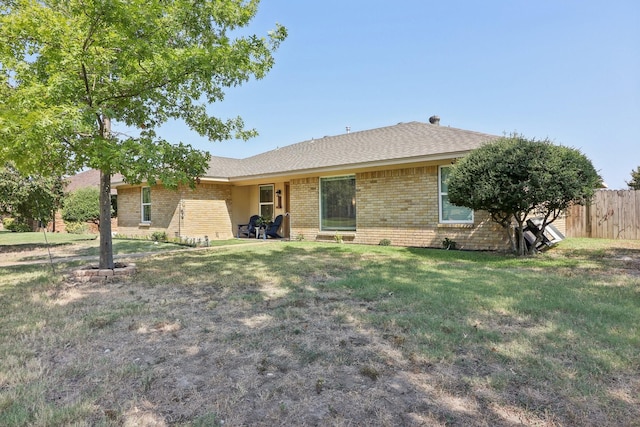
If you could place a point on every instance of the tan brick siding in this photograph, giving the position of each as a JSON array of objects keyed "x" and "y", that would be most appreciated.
[
  {"x": 129, "y": 210},
  {"x": 58, "y": 226},
  {"x": 400, "y": 205},
  {"x": 206, "y": 212},
  {"x": 396, "y": 204},
  {"x": 305, "y": 208}
]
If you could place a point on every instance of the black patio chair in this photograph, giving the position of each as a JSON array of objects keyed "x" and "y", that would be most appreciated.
[
  {"x": 272, "y": 228},
  {"x": 248, "y": 229}
]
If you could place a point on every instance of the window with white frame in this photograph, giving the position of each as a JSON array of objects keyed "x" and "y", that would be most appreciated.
[
  {"x": 450, "y": 213},
  {"x": 338, "y": 203},
  {"x": 266, "y": 201},
  {"x": 146, "y": 204}
]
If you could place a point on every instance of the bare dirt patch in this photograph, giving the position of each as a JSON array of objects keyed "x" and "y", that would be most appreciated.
[
  {"x": 229, "y": 356},
  {"x": 221, "y": 347}
]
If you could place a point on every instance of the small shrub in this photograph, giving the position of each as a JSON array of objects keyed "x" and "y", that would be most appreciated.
[
  {"x": 7, "y": 223},
  {"x": 159, "y": 236},
  {"x": 338, "y": 238},
  {"x": 17, "y": 226},
  {"x": 448, "y": 244},
  {"x": 73, "y": 227},
  {"x": 385, "y": 242},
  {"x": 300, "y": 237},
  {"x": 21, "y": 227},
  {"x": 264, "y": 221}
]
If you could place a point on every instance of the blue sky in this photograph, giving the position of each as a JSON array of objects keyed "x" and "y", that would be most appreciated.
[{"x": 564, "y": 70}]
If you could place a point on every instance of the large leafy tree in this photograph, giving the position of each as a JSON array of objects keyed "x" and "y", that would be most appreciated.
[
  {"x": 71, "y": 68},
  {"x": 515, "y": 178},
  {"x": 634, "y": 183},
  {"x": 29, "y": 197}
]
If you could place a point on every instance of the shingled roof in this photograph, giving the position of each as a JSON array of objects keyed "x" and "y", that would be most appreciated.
[
  {"x": 398, "y": 144},
  {"x": 88, "y": 178},
  {"x": 403, "y": 143}
]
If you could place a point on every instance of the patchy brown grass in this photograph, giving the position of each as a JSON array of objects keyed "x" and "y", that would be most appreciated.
[{"x": 303, "y": 334}]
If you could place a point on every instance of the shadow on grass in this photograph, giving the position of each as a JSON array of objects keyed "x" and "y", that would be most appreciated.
[
  {"x": 483, "y": 338},
  {"x": 543, "y": 339},
  {"x": 24, "y": 247}
]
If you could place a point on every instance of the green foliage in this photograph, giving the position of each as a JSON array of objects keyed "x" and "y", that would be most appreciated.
[
  {"x": 514, "y": 177},
  {"x": 634, "y": 183},
  {"x": 159, "y": 236},
  {"x": 27, "y": 197},
  {"x": 263, "y": 221},
  {"x": 37, "y": 239},
  {"x": 69, "y": 69},
  {"x": 82, "y": 205},
  {"x": 74, "y": 227},
  {"x": 11, "y": 224},
  {"x": 385, "y": 242},
  {"x": 114, "y": 206}
]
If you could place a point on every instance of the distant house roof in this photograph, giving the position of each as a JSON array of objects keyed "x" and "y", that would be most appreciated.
[
  {"x": 88, "y": 178},
  {"x": 401, "y": 143}
]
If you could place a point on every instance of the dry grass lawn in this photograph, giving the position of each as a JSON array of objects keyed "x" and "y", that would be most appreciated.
[{"x": 325, "y": 334}]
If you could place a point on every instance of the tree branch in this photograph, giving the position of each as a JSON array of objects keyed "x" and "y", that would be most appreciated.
[{"x": 85, "y": 79}]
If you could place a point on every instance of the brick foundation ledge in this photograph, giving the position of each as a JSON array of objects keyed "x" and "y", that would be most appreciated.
[{"x": 93, "y": 273}]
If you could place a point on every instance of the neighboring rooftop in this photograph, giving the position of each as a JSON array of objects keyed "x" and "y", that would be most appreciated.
[{"x": 88, "y": 178}]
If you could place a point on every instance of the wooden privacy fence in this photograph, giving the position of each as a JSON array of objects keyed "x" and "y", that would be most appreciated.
[{"x": 612, "y": 214}]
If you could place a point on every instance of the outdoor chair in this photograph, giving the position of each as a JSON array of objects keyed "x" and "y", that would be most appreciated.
[
  {"x": 248, "y": 229},
  {"x": 272, "y": 228}
]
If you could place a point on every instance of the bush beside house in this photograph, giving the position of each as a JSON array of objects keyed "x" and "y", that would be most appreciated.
[{"x": 83, "y": 180}]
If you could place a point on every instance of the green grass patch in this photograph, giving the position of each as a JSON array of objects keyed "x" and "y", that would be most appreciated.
[
  {"x": 551, "y": 338},
  {"x": 8, "y": 238}
]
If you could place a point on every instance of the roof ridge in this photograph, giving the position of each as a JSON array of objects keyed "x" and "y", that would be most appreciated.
[
  {"x": 400, "y": 144},
  {"x": 403, "y": 142}
]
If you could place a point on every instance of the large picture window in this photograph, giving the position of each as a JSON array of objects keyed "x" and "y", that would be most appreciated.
[
  {"x": 450, "y": 213},
  {"x": 146, "y": 204},
  {"x": 266, "y": 201},
  {"x": 338, "y": 203}
]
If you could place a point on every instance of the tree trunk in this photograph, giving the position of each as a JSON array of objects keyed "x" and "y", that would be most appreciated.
[
  {"x": 508, "y": 229},
  {"x": 106, "y": 245},
  {"x": 522, "y": 250}
]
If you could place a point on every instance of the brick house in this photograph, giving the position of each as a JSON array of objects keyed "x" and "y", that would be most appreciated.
[{"x": 385, "y": 183}]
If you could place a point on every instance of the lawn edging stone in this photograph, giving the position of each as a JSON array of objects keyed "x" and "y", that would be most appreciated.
[{"x": 93, "y": 273}]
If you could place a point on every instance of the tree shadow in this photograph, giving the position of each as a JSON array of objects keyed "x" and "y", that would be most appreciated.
[{"x": 295, "y": 333}]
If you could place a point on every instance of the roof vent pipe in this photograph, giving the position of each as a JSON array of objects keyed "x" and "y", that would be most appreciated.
[{"x": 434, "y": 120}]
